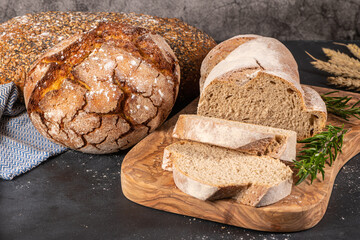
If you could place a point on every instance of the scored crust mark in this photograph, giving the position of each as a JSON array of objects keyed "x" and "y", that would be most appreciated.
[
  {"x": 103, "y": 91},
  {"x": 258, "y": 63}
]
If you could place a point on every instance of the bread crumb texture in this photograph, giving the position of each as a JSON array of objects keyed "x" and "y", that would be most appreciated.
[{"x": 103, "y": 90}]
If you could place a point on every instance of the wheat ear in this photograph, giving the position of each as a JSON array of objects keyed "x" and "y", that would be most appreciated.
[
  {"x": 341, "y": 59},
  {"x": 353, "y": 48},
  {"x": 349, "y": 83},
  {"x": 335, "y": 69}
]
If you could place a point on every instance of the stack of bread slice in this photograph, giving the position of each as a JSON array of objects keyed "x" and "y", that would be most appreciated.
[
  {"x": 218, "y": 158},
  {"x": 254, "y": 81}
]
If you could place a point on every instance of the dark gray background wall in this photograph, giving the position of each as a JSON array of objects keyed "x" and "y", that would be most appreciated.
[{"x": 282, "y": 19}]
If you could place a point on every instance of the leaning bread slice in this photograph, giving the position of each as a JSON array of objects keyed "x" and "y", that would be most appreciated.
[
  {"x": 244, "y": 137},
  {"x": 209, "y": 172}
]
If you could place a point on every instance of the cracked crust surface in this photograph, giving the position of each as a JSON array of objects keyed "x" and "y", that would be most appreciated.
[{"x": 103, "y": 90}]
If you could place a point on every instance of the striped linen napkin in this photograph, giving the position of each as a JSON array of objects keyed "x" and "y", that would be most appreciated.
[{"x": 22, "y": 147}]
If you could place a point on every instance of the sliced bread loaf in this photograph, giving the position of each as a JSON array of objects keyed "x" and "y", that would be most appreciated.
[
  {"x": 209, "y": 172},
  {"x": 244, "y": 137},
  {"x": 255, "y": 79}
]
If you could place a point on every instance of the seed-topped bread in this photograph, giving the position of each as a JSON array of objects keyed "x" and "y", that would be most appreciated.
[
  {"x": 244, "y": 137},
  {"x": 103, "y": 90},
  {"x": 23, "y": 38},
  {"x": 209, "y": 172},
  {"x": 255, "y": 79}
]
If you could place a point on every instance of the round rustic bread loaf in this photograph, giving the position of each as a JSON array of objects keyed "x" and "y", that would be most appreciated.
[
  {"x": 23, "y": 38},
  {"x": 103, "y": 90}
]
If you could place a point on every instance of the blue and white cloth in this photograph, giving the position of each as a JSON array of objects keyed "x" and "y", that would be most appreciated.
[{"x": 22, "y": 147}]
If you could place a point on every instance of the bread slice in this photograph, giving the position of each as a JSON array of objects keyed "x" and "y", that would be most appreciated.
[
  {"x": 257, "y": 81},
  {"x": 244, "y": 137},
  {"x": 209, "y": 172}
]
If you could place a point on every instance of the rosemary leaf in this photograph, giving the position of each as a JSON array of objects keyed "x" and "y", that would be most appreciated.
[
  {"x": 319, "y": 149},
  {"x": 339, "y": 106}
]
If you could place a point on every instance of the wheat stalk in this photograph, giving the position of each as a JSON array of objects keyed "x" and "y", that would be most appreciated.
[
  {"x": 332, "y": 53},
  {"x": 353, "y": 48},
  {"x": 341, "y": 59},
  {"x": 349, "y": 83},
  {"x": 335, "y": 69}
]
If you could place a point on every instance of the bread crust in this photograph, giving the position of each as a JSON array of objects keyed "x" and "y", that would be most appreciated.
[
  {"x": 203, "y": 191},
  {"x": 217, "y": 54},
  {"x": 103, "y": 90},
  {"x": 276, "y": 193},
  {"x": 166, "y": 161},
  {"x": 285, "y": 68}
]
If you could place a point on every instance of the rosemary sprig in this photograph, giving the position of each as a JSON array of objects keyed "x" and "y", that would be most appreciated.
[
  {"x": 317, "y": 150},
  {"x": 339, "y": 106}
]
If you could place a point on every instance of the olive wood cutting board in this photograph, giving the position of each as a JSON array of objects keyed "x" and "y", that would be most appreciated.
[{"x": 144, "y": 181}]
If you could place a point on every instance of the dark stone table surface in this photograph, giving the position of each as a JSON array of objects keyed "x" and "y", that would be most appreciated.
[
  {"x": 281, "y": 19},
  {"x": 78, "y": 196}
]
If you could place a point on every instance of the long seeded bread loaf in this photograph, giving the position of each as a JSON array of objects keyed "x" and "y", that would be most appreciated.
[
  {"x": 244, "y": 137},
  {"x": 209, "y": 172},
  {"x": 255, "y": 79},
  {"x": 23, "y": 38}
]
